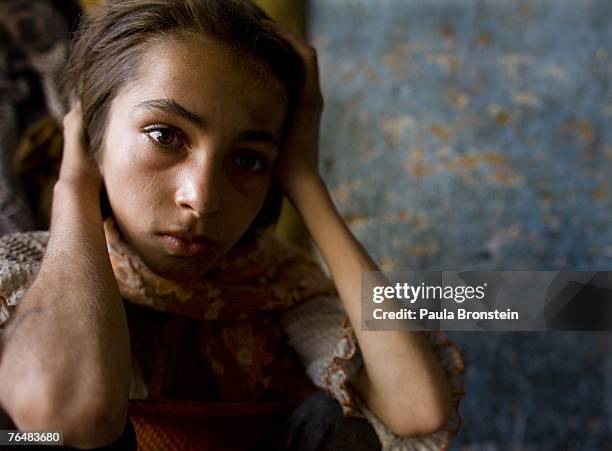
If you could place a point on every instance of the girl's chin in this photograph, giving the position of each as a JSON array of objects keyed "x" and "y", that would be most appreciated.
[
  {"x": 176, "y": 267},
  {"x": 181, "y": 271}
]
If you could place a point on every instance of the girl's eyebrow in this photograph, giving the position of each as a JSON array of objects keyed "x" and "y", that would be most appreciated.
[
  {"x": 260, "y": 136},
  {"x": 173, "y": 107}
]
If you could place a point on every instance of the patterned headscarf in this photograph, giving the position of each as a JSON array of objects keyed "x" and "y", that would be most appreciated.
[{"x": 237, "y": 303}]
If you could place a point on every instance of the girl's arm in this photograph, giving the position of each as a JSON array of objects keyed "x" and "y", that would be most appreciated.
[
  {"x": 65, "y": 362},
  {"x": 402, "y": 380}
]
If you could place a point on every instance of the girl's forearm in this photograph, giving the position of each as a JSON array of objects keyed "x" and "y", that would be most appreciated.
[
  {"x": 65, "y": 358},
  {"x": 400, "y": 368}
]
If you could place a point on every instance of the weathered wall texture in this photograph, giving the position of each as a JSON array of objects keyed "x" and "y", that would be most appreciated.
[{"x": 475, "y": 134}]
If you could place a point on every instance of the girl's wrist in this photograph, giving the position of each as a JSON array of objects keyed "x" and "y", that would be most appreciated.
[
  {"x": 77, "y": 186},
  {"x": 310, "y": 197},
  {"x": 75, "y": 200},
  {"x": 302, "y": 185}
]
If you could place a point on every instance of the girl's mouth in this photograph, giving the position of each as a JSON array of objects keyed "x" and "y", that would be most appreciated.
[{"x": 183, "y": 247}]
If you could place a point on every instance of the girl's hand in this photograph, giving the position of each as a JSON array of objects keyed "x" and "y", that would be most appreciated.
[
  {"x": 298, "y": 159},
  {"x": 77, "y": 167}
]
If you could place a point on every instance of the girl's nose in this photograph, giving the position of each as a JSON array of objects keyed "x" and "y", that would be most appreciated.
[{"x": 200, "y": 188}]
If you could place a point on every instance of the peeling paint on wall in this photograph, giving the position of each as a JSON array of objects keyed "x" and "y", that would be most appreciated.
[{"x": 476, "y": 134}]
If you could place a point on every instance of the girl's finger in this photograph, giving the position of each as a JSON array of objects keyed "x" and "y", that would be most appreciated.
[
  {"x": 75, "y": 160},
  {"x": 307, "y": 52},
  {"x": 73, "y": 131},
  {"x": 308, "y": 55}
]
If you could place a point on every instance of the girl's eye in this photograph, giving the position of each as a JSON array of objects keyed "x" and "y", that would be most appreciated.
[
  {"x": 165, "y": 136},
  {"x": 250, "y": 162}
]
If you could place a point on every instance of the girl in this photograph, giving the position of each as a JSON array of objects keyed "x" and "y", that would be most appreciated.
[{"x": 194, "y": 117}]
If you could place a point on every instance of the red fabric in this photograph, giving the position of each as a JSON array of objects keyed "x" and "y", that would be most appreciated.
[{"x": 168, "y": 425}]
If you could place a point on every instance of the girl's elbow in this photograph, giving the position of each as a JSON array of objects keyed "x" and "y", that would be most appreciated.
[
  {"x": 105, "y": 426},
  {"x": 86, "y": 427},
  {"x": 422, "y": 426},
  {"x": 428, "y": 420},
  {"x": 435, "y": 421}
]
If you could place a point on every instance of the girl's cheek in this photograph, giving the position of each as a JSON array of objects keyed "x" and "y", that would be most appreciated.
[
  {"x": 144, "y": 155},
  {"x": 252, "y": 190},
  {"x": 252, "y": 185}
]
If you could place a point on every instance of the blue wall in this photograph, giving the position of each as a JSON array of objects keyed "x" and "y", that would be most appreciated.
[{"x": 475, "y": 134}]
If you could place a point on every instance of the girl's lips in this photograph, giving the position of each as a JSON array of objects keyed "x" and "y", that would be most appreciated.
[{"x": 182, "y": 247}]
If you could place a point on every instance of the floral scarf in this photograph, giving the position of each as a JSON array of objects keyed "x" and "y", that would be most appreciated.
[{"x": 237, "y": 306}]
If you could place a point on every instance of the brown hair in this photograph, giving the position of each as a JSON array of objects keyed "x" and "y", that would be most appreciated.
[{"x": 108, "y": 47}]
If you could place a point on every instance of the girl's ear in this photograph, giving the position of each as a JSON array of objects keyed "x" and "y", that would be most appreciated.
[{"x": 104, "y": 203}]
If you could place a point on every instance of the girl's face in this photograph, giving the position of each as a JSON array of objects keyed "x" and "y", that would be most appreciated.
[{"x": 188, "y": 154}]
